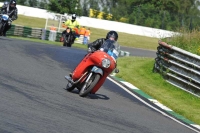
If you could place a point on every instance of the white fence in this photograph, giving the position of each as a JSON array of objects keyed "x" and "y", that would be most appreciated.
[{"x": 98, "y": 23}]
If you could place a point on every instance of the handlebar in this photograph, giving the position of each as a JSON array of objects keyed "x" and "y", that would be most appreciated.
[{"x": 8, "y": 13}]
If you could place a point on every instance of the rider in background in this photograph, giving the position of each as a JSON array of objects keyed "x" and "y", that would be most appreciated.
[
  {"x": 72, "y": 23},
  {"x": 11, "y": 9},
  {"x": 67, "y": 33}
]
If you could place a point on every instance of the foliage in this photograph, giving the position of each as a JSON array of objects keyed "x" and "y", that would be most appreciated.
[
  {"x": 64, "y": 6},
  {"x": 187, "y": 40},
  {"x": 162, "y": 14}
]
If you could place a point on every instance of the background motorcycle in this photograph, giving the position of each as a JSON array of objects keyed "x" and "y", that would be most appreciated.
[
  {"x": 4, "y": 20},
  {"x": 93, "y": 70},
  {"x": 67, "y": 40}
]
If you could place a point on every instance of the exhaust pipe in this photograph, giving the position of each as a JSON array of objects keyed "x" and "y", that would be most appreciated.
[{"x": 71, "y": 80}]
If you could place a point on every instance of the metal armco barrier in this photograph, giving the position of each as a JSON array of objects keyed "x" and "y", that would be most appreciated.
[
  {"x": 25, "y": 31},
  {"x": 178, "y": 67},
  {"x": 124, "y": 53}
]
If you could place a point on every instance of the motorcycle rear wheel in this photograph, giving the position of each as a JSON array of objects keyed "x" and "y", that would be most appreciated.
[
  {"x": 86, "y": 89},
  {"x": 67, "y": 44}
]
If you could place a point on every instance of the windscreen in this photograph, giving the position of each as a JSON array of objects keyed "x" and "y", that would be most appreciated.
[{"x": 111, "y": 48}]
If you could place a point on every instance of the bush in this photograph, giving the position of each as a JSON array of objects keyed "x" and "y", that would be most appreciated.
[{"x": 188, "y": 40}]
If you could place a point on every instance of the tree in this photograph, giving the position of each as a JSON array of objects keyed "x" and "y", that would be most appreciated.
[
  {"x": 21, "y": 2},
  {"x": 33, "y": 3},
  {"x": 64, "y": 6},
  {"x": 43, "y": 4}
]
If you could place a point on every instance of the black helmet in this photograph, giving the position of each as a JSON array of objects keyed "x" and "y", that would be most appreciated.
[
  {"x": 112, "y": 34},
  {"x": 13, "y": 2},
  {"x": 73, "y": 16}
]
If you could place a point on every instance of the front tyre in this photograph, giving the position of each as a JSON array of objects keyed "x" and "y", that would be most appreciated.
[
  {"x": 69, "y": 44},
  {"x": 1, "y": 28},
  {"x": 87, "y": 87}
]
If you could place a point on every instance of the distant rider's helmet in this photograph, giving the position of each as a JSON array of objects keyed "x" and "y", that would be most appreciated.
[
  {"x": 13, "y": 3},
  {"x": 73, "y": 17},
  {"x": 112, "y": 35}
]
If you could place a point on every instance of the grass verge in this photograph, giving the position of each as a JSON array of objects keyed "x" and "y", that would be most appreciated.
[{"x": 187, "y": 40}]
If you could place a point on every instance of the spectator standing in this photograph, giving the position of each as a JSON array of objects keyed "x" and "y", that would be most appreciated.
[
  {"x": 86, "y": 36},
  {"x": 53, "y": 28},
  {"x": 82, "y": 30}
]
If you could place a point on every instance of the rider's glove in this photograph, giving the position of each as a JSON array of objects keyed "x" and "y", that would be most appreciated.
[
  {"x": 91, "y": 50},
  {"x": 9, "y": 21}
]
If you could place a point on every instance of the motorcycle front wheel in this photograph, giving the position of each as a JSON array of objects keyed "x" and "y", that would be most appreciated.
[
  {"x": 87, "y": 87},
  {"x": 1, "y": 28}
]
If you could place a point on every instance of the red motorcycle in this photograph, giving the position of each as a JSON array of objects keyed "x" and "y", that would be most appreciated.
[{"x": 93, "y": 70}]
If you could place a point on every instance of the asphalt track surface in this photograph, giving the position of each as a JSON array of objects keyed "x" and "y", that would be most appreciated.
[
  {"x": 139, "y": 52},
  {"x": 32, "y": 98}
]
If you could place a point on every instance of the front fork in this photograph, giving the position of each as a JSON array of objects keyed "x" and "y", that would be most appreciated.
[
  {"x": 93, "y": 70},
  {"x": 97, "y": 70}
]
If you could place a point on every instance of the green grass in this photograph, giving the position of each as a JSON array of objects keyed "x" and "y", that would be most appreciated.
[
  {"x": 125, "y": 39},
  {"x": 188, "y": 40},
  {"x": 138, "y": 70}
]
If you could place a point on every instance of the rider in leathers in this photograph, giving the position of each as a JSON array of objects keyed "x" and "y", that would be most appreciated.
[
  {"x": 68, "y": 33},
  {"x": 11, "y": 10},
  {"x": 112, "y": 35},
  {"x": 96, "y": 45}
]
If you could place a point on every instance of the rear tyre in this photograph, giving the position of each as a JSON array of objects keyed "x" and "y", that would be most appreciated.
[
  {"x": 64, "y": 44},
  {"x": 87, "y": 87},
  {"x": 69, "y": 45}
]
